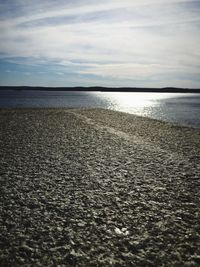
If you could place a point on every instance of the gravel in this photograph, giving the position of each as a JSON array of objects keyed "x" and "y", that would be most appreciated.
[{"x": 92, "y": 187}]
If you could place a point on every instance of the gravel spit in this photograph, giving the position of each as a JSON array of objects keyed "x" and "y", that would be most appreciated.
[{"x": 92, "y": 187}]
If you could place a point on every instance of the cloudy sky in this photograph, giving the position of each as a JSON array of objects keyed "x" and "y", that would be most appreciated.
[{"x": 151, "y": 43}]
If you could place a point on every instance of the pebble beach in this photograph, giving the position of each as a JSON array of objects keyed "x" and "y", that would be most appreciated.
[{"x": 95, "y": 187}]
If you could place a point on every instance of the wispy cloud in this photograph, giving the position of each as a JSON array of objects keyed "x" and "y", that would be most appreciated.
[{"x": 143, "y": 41}]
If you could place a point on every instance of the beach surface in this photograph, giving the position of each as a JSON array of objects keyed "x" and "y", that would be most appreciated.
[{"x": 92, "y": 187}]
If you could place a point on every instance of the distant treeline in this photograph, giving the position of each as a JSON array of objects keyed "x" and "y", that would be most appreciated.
[{"x": 104, "y": 89}]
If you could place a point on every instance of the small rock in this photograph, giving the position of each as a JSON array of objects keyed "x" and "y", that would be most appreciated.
[
  {"x": 122, "y": 232},
  {"x": 81, "y": 224}
]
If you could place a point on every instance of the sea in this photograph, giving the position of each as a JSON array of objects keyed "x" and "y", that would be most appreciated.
[{"x": 179, "y": 108}]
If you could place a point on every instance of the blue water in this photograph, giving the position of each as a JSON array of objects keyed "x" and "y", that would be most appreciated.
[{"x": 180, "y": 108}]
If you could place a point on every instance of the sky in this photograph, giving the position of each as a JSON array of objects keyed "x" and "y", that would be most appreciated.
[{"x": 139, "y": 43}]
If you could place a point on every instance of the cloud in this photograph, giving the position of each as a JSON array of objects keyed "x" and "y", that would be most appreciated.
[
  {"x": 118, "y": 40},
  {"x": 60, "y": 73}
]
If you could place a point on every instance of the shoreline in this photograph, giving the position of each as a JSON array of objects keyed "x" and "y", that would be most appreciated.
[
  {"x": 104, "y": 89},
  {"x": 169, "y": 123},
  {"x": 95, "y": 187}
]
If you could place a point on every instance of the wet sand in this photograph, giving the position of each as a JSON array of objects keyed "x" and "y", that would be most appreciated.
[{"x": 92, "y": 187}]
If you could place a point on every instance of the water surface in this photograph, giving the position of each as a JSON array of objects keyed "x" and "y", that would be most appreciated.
[{"x": 180, "y": 108}]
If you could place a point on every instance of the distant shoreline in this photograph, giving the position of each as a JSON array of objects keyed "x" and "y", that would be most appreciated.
[{"x": 104, "y": 89}]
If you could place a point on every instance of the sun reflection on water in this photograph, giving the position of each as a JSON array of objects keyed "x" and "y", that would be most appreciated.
[
  {"x": 143, "y": 104},
  {"x": 131, "y": 102}
]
